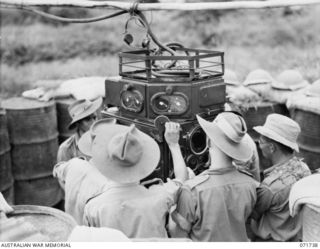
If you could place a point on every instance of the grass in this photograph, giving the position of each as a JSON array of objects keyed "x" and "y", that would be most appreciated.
[
  {"x": 16, "y": 79},
  {"x": 274, "y": 40}
]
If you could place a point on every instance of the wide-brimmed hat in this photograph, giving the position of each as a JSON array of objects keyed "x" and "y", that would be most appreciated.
[
  {"x": 82, "y": 108},
  {"x": 289, "y": 80},
  {"x": 281, "y": 129},
  {"x": 87, "y": 138},
  {"x": 258, "y": 76},
  {"x": 124, "y": 154},
  {"x": 228, "y": 132}
]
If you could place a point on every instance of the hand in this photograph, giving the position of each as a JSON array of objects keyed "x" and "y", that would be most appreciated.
[{"x": 172, "y": 133}]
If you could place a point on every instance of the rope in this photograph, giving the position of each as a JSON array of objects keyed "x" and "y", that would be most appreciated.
[
  {"x": 164, "y": 6},
  {"x": 134, "y": 8}
]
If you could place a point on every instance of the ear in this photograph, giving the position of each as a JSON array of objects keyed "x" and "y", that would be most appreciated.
[{"x": 273, "y": 148}]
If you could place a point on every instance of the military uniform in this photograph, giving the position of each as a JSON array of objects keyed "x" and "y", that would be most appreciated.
[
  {"x": 215, "y": 205},
  {"x": 272, "y": 209},
  {"x": 69, "y": 149},
  {"x": 133, "y": 209},
  {"x": 81, "y": 182}
]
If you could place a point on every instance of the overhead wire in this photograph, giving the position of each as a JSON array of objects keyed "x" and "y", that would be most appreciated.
[{"x": 75, "y": 20}]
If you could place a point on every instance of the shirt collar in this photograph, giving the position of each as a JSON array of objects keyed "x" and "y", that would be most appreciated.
[
  {"x": 220, "y": 171},
  {"x": 77, "y": 137},
  {"x": 276, "y": 166}
]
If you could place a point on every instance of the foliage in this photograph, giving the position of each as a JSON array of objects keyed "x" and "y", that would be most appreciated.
[{"x": 274, "y": 40}]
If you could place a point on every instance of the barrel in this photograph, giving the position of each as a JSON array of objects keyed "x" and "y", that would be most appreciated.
[
  {"x": 36, "y": 223},
  {"x": 312, "y": 159},
  {"x": 310, "y": 223},
  {"x": 6, "y": 179},
  {"x": 309, "y": 138},
  {"x": 33, "y": 136},
  {"x": 256, "y": 115},
  {"x": 63, "y": 117}
]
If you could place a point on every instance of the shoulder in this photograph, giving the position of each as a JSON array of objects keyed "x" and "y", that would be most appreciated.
[
  {"x": 68, "y": 142},
  {"x": 196, "y": 181},
  {"x": 65, "y": 146}
]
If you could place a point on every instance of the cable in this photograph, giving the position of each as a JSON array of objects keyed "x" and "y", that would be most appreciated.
[{"x": 75, "y": 20}]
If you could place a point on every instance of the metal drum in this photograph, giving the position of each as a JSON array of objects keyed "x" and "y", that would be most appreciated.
[
  {"x": 63, "y": 118},
  {"x": 311, "y": 223},
  {"x": 6, "y": 179},
  {"x": 309, "y": 138},
  {"x": 33, "y": 135},
  {"x": 36, "y": 223}
]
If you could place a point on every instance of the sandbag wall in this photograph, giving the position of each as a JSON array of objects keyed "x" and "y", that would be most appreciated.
[
  {"x": 309, "y": 138},
  {"x": 32, "y": 127}
]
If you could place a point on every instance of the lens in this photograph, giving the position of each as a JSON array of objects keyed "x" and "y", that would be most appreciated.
[
  {"x": 198, "y": 141},
  {"x": 128, "y": 99},
  {"x": 192, "y": 161},
  {"x": 161, "y": 103},
  {"x": 132, "y": 100}
]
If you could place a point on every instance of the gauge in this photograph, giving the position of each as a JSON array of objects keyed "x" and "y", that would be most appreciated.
[
  {"x": 174, "y": 104},
  {"x": 131, "y": 100}
]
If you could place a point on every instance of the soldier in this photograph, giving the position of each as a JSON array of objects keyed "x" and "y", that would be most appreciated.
[
  {"x": 83, "y": 114},
  {"x": 79, "y": 178},
  {"x": 278, "y": 141},
  {"x": 125, "y": 155},
  {"x": 215, "y": 205}
]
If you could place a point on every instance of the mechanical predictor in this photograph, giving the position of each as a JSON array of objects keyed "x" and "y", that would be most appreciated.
[{"x": 155, "y": 88}]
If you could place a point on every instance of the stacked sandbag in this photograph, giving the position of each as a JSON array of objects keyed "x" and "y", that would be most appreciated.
[{"x": 305, "y": 109}]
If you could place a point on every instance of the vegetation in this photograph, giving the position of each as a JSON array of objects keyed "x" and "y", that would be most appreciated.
[{"x": 34, "y": 48}]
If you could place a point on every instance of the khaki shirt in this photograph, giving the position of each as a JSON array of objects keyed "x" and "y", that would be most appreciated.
[
  {"x": 252, "y": 167},
  {"x": 133, "y": 209},
  {"x": 69, "y": 149},
  {"x": 215, "y": 205},
  {"x": 272, "y": 209},
  {"x": 81, "y": 181}
]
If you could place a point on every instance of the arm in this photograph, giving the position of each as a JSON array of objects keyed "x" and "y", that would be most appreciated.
[
  {"x": 60, "y": 172},
  {"x": 172, "y": 138},
  {"x": 175, "y": 230},
  {"x": 184, "y": 216},
  {"x": 264, "y": 201},
  {"x": 63, "y": 154}
]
